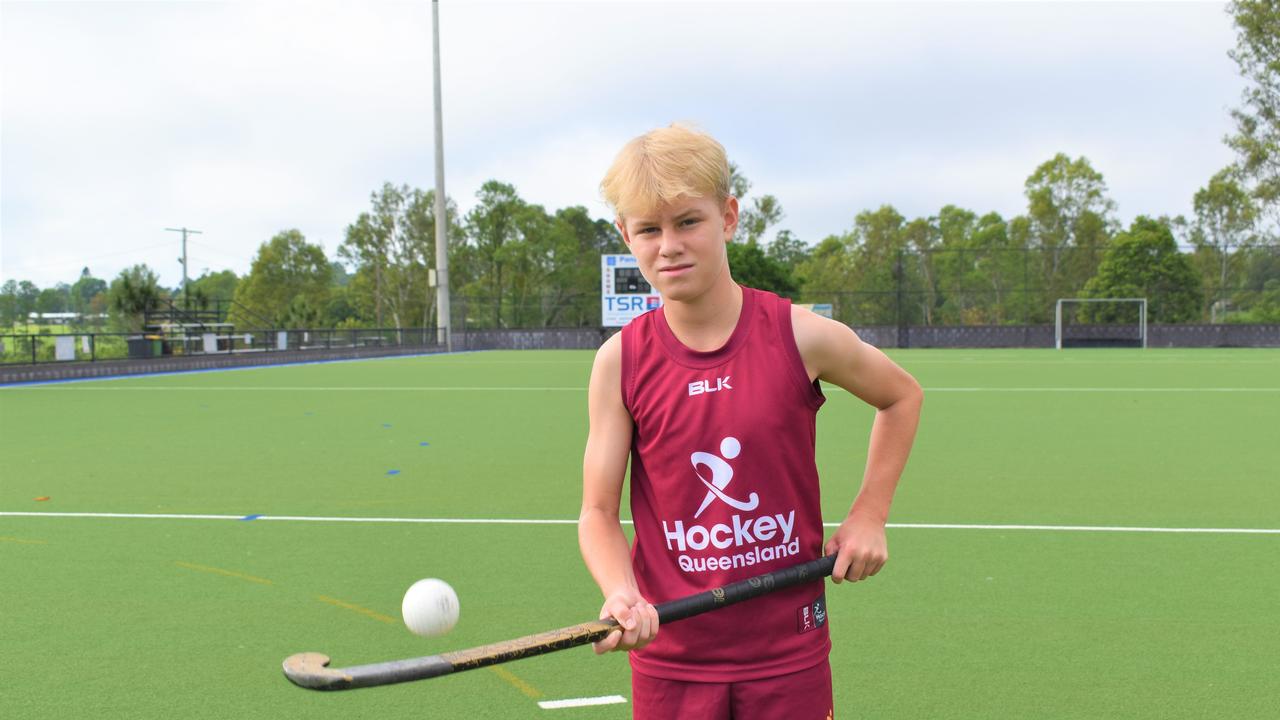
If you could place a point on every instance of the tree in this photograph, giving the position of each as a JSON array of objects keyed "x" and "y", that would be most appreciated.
[
  {"x": 8, "y": 304},
  {"x": 1258, "y": 298},
  {"x": 1225, "y": 219},
  {"x": 134, "y": 291},
  {"x": 753, "y": 221},
  {"x": 859, "y": 272},
  {"x": 56, "y": 299},
  {"x": 1071, "y": 219},
  {"x": 85, "y": 289},
  {"x": 392, "y": 247},
  {"x": 341, "y": 311},
  {"x": 788, "y": 250},
  {"x": 753, "y": 268},
  {"x": 883, "y": 282},
  {"x": 979, "y": 268},
  {"x": 302, "y": 314},
  {"x": 922, "y": 238},
  {"x": 286, "y": 267},
  {"x": 1257, "y": 137},
  {"x": 365, "y": 247},
  {"x": 754, "y": 218},
  {"x": 494, "y": 233},
  {"x": 214, "y": 286},
  {"x": 826, "y": 272},
  {"x": 571, "y": 248},
  {"x": 1145, "y": 262},
  {"x": 25, "y": 299}
]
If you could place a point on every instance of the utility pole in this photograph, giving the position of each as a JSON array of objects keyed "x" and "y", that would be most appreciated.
[
  {"x": 185, "y": 232},
  {"x": 444, "y": 320}
]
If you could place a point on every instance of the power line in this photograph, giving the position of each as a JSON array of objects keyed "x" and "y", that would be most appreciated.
[{"x": 85, "y": 260}]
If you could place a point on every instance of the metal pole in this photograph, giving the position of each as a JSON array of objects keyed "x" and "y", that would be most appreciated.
[
  {"x": 185, "y": 298},
  {"x": 443, "y": 314},
  {"x": 902, "y": 339},
  {"x": 1057, "y": 325}
]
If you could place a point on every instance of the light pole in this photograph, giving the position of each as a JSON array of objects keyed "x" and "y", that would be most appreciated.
[{"x": 444, "y": 320}]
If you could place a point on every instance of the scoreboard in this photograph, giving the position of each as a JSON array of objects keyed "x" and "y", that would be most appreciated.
[{"x": 624, "y": 293}]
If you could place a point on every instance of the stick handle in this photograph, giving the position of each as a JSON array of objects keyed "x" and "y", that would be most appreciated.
[
  {"x": 752, "y": 587},
  {"x": 310, "y": 670}
]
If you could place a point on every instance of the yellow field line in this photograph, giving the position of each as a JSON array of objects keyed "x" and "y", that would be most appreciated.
[
  {"x": 356, "y": 608},
  {"x": 524, "y": 687},
  {"x": 20, "y": 541},
  {"x": 515, "y": 681},
  {"x": 219, "y": 571}
]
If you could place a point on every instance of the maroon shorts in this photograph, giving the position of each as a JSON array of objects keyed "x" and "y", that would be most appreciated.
[{"x": 804, "y": 695}]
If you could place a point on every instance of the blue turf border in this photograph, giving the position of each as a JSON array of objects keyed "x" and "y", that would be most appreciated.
[{"x": 30, "y": 383}]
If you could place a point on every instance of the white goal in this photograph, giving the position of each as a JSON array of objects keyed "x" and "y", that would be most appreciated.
[{"x": 1100, "y": 322}]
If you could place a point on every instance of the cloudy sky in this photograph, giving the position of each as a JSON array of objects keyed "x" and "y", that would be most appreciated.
[{"x": 240, "y": 119}]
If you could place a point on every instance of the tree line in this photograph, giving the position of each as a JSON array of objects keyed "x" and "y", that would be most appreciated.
[{"x": 513, "y": 263}]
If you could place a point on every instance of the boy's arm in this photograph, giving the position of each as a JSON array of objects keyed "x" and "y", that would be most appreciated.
[
  {"x": 833, "y": 352},
  {"x": 604, "y": 546}
]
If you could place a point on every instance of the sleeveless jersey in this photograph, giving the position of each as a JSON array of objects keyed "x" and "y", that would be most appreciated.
[{"x": 724, "y": 485}]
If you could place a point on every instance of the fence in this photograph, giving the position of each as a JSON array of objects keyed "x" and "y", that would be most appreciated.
[
  {"x": 95, "y": 347},
  {"x": 1020, "y": 286},
  {"x": 960, "y": 287}
]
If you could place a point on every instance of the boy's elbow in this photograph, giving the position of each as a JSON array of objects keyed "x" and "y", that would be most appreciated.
[
  {"x": 594, "y": 513},
  {"x": 912, "y": 395}
]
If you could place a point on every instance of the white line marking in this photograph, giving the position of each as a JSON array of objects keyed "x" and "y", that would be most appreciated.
[
  {"x": 581, "y": 702},
  {"x": 1078, "y": 363},
  {"x": 1077, "y": 528},
  {"x": 1104, "y": 389},
  {"x": 220, "y": 388},
  {"x": 298, "y": 518},
  {"x": 583, "y": 389},
  {"x": 158, "y": 516},
  {"x": 554, "y": 521}
]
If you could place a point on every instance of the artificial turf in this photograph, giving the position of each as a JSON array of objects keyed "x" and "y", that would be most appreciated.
[{"x": 159, "y": 618}]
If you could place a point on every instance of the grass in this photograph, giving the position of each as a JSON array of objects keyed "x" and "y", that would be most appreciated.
[{"x": 143, "y": 618}]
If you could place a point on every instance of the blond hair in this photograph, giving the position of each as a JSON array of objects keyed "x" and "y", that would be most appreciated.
[{"x": 662, "y": 165}]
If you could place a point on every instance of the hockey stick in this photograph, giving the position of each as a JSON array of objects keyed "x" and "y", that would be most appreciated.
[{"x": 310, "y": 670}]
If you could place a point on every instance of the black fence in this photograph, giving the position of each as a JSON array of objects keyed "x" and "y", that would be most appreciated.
[
  {"x": 1021, "y": 286},
  {"x": 952, "y": 287},
  {"x": 95, "y": 347}
]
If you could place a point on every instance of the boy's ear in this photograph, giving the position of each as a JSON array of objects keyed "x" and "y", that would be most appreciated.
[
  {"x": 730, "y": 217},
  {"x": 622, "y": 228}
]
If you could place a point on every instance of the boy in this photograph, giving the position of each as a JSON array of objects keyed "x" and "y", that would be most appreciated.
[{"x": 713, "y": 397}]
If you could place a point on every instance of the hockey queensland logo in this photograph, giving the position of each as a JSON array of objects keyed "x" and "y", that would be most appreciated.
[{"x": 748, "y": 538}]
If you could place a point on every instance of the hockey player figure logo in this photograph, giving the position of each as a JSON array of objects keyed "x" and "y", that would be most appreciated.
[{"x": 721, "y": 474}]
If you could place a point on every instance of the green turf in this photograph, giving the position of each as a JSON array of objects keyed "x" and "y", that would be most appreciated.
[{"x": 191, "y": 618}]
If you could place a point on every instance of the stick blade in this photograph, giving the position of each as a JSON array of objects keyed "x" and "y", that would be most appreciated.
[{"x": 311, "y": 670}]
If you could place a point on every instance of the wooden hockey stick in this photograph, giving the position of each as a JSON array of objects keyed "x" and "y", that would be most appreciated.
[{"x": 311, "y": 670}]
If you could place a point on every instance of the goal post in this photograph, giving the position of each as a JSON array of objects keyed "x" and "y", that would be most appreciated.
[{"x": 1100, "y": 322}]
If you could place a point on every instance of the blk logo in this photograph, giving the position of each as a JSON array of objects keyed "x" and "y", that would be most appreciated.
[
  {"x": 702, "y": 387},
  {"x": 721, "y": 475}
]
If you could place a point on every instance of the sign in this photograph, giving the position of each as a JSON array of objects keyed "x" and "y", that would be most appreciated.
[
  {"x": 624, "y": 293},
  {"x": 823, "y": 309},
  {"x": 64, "y": 348}
]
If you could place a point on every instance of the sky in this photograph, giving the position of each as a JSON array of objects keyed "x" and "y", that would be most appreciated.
[{"x": 242, "y": 119}]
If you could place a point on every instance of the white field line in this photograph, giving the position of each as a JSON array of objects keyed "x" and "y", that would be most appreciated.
[
  {"x": 219, "y": 388},
  {"x": 536, "y": 521},
  {"x": 1106, "y": 389},
  {"x": 581, "y": 702},
  {"x": 583, "y": 389}
]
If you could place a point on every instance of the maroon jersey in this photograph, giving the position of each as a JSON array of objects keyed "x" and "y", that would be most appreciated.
[{"x": 724, "y": 486}]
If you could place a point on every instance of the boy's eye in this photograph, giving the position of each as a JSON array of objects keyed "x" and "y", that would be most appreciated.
[
  {"x": 690, "y": 221},
  {"x": 646, "y": 230}
]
